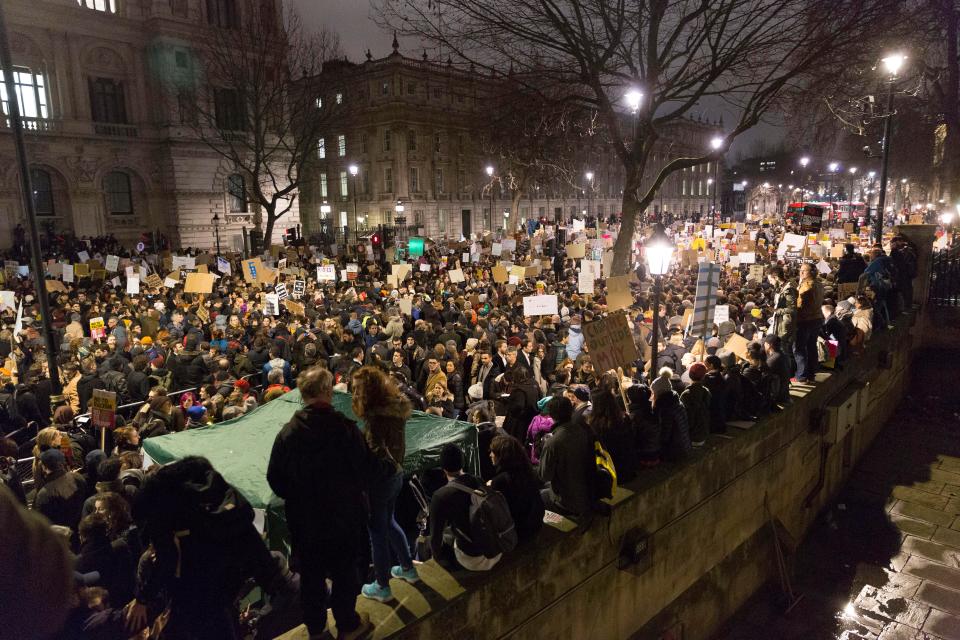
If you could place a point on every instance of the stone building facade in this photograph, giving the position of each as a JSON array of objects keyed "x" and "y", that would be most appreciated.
[
  {"x": 107, "y": 148},
  {"x": 407, "y": 132}
]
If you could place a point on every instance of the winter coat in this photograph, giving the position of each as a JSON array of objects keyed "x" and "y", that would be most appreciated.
[
  {"x": 809, "y": 301},
  {"x": 851, "y": 268},
  {"x": 61, "y": 499},
  {"x": 521, "y": 409},
  {"x": 385, "y": 432},
  {"x": 575, "y": 342},
  {"x": 568, "y": 464},
  {"x": 620, "y": 442},
  {"x": 696, "y": 400},
  {"x": 719, "y": 401},
  {"x": 674, "y": 428},
  {"x": 321, "y": 465},
  {"x": 783, "y": 321},
  {"x": 522, "y": 492},
  {"x": 539, "y": 427}
]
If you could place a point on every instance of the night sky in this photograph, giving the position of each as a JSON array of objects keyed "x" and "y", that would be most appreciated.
[{"x": 353, "y": 20}]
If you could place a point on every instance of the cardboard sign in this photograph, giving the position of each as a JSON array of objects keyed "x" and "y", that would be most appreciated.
[
  {"x": 847, "y": 290},
  {"x": 756, "y": 273},
  {"x": 251, "y": 270},
  {"x": 611, "y": 342},
  {"x": 203, "y": 314},
  {"x": 500, "y": 274},
  {"x": 295, "y": 308},
  {"x": 54, "y": 285},
  {"x": 79, "y": 270},
  {"x": 738, "y": 345},
  {"x": 401, "y": 271},
  {"x": 154, "y": 281},
  {"x": 540, "y": 305},
  {"x": 619, "y": 295},
  {"x": 103, "y": 409},
  {"x": 836, "y": 251},
  {"x": 456, "y": 275},
  {"x": 112, "y": 263},
  {"x": 576, "y": 250},
  {"x": 327, "y": 273},
  {"x": 199, "y": 283},
  {"x": 406, "y": 306},
  {"x": 133, "y": 285}
]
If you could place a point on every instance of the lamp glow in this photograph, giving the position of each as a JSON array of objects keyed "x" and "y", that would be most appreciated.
[
  {"x": 716, "y": 143},
  {"x": 658, "y": 251},
  {"x": 633, "y": 99},
  {"x": 893, "y": 63},
  {"x": 490, "y": 170},
  {"x": 354, "y": 169}
]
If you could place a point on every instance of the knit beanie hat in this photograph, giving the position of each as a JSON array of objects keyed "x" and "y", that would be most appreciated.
[
  {"x": 697, "y": 371},
  {"x": 662, "y": 385}
]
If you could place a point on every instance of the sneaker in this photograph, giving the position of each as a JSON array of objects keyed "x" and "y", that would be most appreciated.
[
  {"x": 375, "y": 592},
  {"x": 407, "y": 575},
  {"x": 363, "y": 629}
]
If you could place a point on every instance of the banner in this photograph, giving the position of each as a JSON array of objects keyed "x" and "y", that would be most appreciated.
[
  {"x": 708, "y": 282},
  {"x": 611, "y": 343}
]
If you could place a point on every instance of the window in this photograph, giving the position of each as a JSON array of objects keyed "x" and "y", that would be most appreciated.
[
  {"x": 181, "y": 59},
  {"x": 436, "y": 142},
  {"x": 442, "y": 220},
  {"x": 414, "y": 179},
  {"x": 116, "y": 184},
  {"x": 323, "y": 185},
  {"x": 363, "y": 142},
  {"x": 388, "y": 179},
  {"x": 107, "y": 6},
  {"x": 236, "y": 194},
  {"x": 386, "y": 140},
  {"x": 438, "y": 179},
  {"x": 187, "y": 106},
  {"x": 437, "y": 93},
  {"x": 319, "y": 102},
  {"x": 385, "y": 88},
  {"x": 341, "y": 145},
  {"x": 321, "y": 148},
  {"x": 31, "y": 93},
  {"x": 229, "y": 109},
  {"x": 411, "y": 88},
  {"x": 411, "y": 141},
  {"x": 339, "y": 98},
  {"x": 42, "y": 192},
  {"x": 462, "y": 180},
  {"x": 222, "y": 13},
  {"x": 344, "y": 188},
  {"x": 418, "y": 217},
  {"x": 699, "y": 187},
  {"x": 365, "y": 181},
  {"x": 107, "y": 103},
  {"x": 684, "y": 192}
]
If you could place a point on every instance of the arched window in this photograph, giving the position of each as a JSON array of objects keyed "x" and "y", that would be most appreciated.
[
  {"x": 42, "y": 192},
  {"x": 236, "y": 193},
  {"x": 116, "y": 185}
]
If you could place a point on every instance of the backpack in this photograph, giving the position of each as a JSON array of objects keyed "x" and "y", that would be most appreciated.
[
  {"x": 491, "y": 525},
  {"x": 605, "y": 476},
  {"x": 10, "y": 418}
]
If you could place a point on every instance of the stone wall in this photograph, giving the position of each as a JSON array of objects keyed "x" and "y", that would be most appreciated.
[{"x": 708, "y": 532}]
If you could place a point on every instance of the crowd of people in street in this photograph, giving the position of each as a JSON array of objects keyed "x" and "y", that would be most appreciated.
[{"x": 113, "y": 546}]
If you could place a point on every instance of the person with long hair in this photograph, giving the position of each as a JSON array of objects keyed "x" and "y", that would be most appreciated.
[
  {"x": 384, "y": 409},
  {"x": 518, "y": 482},
  {"x": 613, "y": 429}
]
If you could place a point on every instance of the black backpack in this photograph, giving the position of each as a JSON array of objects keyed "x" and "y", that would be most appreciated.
[{"x": 491, "y": 525}]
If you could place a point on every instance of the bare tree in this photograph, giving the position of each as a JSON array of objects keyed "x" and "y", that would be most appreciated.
[
  {"x": 248, "y": 105},
  {"x": 676, "y": 53}
]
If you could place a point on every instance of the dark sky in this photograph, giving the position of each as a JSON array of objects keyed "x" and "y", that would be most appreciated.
[{"x": 352, "y": 19}]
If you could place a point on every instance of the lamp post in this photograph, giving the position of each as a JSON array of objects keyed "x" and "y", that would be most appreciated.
[
  {"x": 833, "y": 166},
  {"x": 892, "y": 64},
  {"x": 853, "y": 173},
  {"x": 589, "y": 177},
  {"x": 804, "y": 161},
  {"x": 354, "y": 170},
  {"x": 215, "y": 221},
  {"x": 716, "y": 143},
  {"x": 658, "y": 250},
  {"x": 490, "y": 175}
]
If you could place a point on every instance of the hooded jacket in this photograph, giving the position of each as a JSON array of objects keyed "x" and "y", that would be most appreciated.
[
  {"x": 385, "y": 433},
  {"x": 320, "y": 465},
  {"x": 575, "y": 341}
]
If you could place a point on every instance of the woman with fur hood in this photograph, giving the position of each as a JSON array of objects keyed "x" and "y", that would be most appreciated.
[{"x": 385, "y": 410}]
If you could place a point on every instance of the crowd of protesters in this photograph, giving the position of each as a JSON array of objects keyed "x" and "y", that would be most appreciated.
[{"x": 168, "y": 548}]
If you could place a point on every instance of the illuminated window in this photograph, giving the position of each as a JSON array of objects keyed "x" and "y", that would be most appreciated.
[
  {"x": 31, "y": 93},
  {"x": 107, "y": 6},
  {"x": 342, "y": 145},
  {"x": 116, "y": 185}
]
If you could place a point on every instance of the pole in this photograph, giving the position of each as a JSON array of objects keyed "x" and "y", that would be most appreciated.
[
  {"x": 490, "y": 217},
  {"x": 216, "y": 230},
  {"x": 716, "y": 185},
  {"x": 884, "y": 167},
  {"x": 656, "y": 328},
  {"x": 354, "y": 177},
  {"x": 36, "y": 260}
]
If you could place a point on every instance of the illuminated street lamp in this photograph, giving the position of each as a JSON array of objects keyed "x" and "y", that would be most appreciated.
[
  {"x": 490, "y": 175},
  {"x": 658, "y": 250},
  {"x": 892, "y": 64},
  {"x": 633, "y": 98},
  {"x": 716, "y": 143},
  {"x": 354, "y": 170}
]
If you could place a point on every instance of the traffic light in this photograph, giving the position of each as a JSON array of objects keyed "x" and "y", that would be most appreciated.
[{"x": 375, "y": 239}]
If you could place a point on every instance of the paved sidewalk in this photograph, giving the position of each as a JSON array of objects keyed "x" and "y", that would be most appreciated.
[{"x": 884, "y": 562}]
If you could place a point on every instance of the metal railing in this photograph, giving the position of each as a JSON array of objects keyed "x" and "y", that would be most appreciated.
[
  {"x": 945, "y": 279},
  {"x": 117, "y": 130}
]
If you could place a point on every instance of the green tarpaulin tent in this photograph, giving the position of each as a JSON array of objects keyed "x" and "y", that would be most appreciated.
[{"x": 240, "y": 448}]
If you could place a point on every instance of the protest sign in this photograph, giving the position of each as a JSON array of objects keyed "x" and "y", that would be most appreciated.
[
  {"x": 133, "y": 285},
  {"x": 545, "y": 305},
  {"x": 836, "y": 251},
  {"x": 585, "y": 282},
  {"x": 203, "y": 314},
  {"x": 199, "y": 283},
  {"x": 103, "y": 409},
  {"x": 251, "y": 270},
  {"x": 97, "y": 328},
  {"x": 327, "y": 273},
  {"x": 281, "y": 291},
  {"x": 55, "y": 285},
  {"x": 67, "y": 272},
  {"x": 83, "y": 256},
  {"x": 184, "y": 262},
  {"x": 8, "y": 300},
  {"x": 295, "y": 308},
  {"x": 406, "y": 306},
  {"x": 747, "y": 257},
  {"x": 271, "y": 304},
  {"x": 738, "y": 345},
  {"x": 425, "y": 268},
  {"x": 823, "y": 267},
  {"x": 496, "y": 249},
  {"x": 721, "y": 313},
  {"x": 79, "y": 270},
  {"x": 154, "y": 281},
  {"x": 456, "y": 275},
  {"x": 223, "y": 266},
  {"x": 708, "y": 281},
  {"x": 299, "y": 288},
  {"x": 619, "y": 295},
  {"x": 756, "y": 273},
  {"x": 509, "y": 244},
  {"x": 812, "y": 218},
  {"x": 353, "y": 271},
  {"x": 611, "y": 342},
  {"x": 576, "y": 250},
  {"x": 401, "y": 271},
  {"x": 500, "y": 274},
  {"x": 112, "y": 263}
]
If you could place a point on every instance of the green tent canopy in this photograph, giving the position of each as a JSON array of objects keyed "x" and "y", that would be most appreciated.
[{"x": 240, "y": 448}]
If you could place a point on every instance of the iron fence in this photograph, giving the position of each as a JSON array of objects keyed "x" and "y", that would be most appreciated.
[{"x": 945, "y": 279}]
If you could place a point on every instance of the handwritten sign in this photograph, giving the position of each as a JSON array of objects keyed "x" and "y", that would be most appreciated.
[
  {"x": 540, "y": 305},
  {"x": 103, "y": 409},
  {"x": 611, "y": 342}
]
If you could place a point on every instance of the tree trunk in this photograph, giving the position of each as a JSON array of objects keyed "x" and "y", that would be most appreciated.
[
  {"x": 515, "y": 208},
  {"x": 632, "y": 210},
  {"x": 268, "y": 229}
]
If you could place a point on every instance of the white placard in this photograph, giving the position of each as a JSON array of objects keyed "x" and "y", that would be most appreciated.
[
  {"x": 721, "y": 313},
  {"x": 271, "y": 305},
  {"x": 509, "y": 244},
  {"x": 68, "y": 273},
  {"x": 823, "y": 267},
  {"x": 545, "y": 305},
  {"x": 456, "y": 275},
  {"x": 8, "y": 300},
  {"x": 170, "y": 283},
  {"x": 424, "y": 267},
  {"x": 133, "y": 285},
  {"x": 143, "y": 273},
  {"x": 223, "y": 266},
  {"x": 83, "y": 256},
  {"x": 747, "y": 257},
  {"x": 513, "y": 279},
  {"x": 591, "y": 267},
  {"x": 585, "y": 282},
  {"x": 578, "y": 225},
  {"x": 466, "y": 258},
  {"x": 184, "y": 262},
  {"x": 496, "y": 249},
  {"x": 281, "y": 291},
  {"x": 794, "y": 240},
  {"x": 327, "y": 273},
  {"x": 112, "y": 263}
]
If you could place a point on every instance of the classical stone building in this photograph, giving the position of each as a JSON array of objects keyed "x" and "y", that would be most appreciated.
[
  {"x": 109, "y": 152},
  {"x": 407, "y": 133}
]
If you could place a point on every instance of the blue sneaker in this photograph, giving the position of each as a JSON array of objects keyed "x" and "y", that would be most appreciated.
[
  {"x": 375, "y": 592},
  {"x": 407, "y": 575}
]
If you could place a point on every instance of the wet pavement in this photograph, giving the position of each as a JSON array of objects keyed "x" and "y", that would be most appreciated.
[{"x": 883, "y": 562}]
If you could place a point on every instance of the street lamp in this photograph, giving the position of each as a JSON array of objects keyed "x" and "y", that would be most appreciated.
[
  {"x": 490, "y": 175},
  {"x": 215, "y": 221},
  {"x": 354, "y": 170},
  {"x": 658, "y": 250},
  {"x": 892, "y": 64},
  {"x": 633, "y": 98},
  {"x": 589, "y": 177},
  {"x": 853, "y": 173},
  {"x": 833, "y": 166},
  {"x": 716, "y": 143}
]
